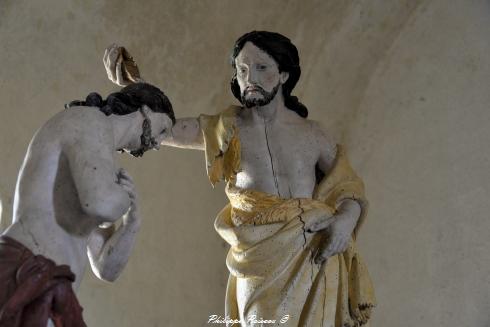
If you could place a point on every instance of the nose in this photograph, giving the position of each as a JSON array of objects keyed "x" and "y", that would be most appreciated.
[
  {"x": 157, "y": 146},
  {"x": 252, "y": 76}
]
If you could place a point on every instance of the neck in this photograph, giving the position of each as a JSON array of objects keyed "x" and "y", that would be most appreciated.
[
  {"x": 270, "y": 111},
  {"x": 126, "y": 129}
]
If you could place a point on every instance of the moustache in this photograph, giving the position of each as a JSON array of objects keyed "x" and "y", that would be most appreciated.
[{"x": 252, "y": 88}]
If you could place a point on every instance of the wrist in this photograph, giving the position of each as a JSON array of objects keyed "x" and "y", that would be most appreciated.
[
  {"x": 346, "y": 222},
  {"x": 348, "y": 216}
]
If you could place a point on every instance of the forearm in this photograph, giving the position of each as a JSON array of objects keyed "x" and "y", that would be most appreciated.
[
  {"x": 349, "y": 210},
  {"x": 186, "y": 133},
  {"x": 116, "y": 250}
]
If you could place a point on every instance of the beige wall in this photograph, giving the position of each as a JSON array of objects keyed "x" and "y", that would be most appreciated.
[{"x": 403, "y": 83}]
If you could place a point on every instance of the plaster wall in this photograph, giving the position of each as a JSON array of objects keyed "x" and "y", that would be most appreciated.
[
  {"x": 420, "y": 139},
  {"x": 404, "y": 83}
]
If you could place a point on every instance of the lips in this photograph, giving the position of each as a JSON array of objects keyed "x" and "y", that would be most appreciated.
[{"x": 253, "y": 88}]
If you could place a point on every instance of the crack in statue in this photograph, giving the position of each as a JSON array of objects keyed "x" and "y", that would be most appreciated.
[{"x": 291, "y": 189}]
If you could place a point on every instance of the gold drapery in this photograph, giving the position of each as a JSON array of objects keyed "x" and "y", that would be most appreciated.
[{"x": 272, "y": 272}]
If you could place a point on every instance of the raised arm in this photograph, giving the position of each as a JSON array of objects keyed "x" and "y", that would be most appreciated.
[
  {"x": 186, "y": 134},
  {"x": 122, "y": 70}
]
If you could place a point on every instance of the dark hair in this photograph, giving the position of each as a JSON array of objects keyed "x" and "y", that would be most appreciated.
[
  {"x": 286, "y": 56},
  {"x": 128, "y": 100}
]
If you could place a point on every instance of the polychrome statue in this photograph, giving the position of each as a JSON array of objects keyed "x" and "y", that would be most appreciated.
[
  {"x": 296, "y": 205},
  {"x": 70, "y": 196}
]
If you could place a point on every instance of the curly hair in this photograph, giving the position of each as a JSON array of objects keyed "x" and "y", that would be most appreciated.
[{"x": 128, "y": 100}]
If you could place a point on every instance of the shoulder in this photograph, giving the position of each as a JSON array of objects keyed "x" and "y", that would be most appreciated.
[
  {"x": 85, "y": 119},
  {"x": 319, "y": 131},
  {"x": 85, "y": 125},
  {"x": 322, "y": 137}
]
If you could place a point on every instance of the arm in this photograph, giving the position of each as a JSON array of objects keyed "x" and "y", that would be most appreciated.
[
  {"x": 339, "y": 229},
  {"x": 122, "y": 70},
  {"x": 109, "y": 248},
  {"x": 186, "y": 134},
  {"x": 90, "y": 157}
]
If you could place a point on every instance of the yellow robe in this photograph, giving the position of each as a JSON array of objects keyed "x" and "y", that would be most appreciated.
[{"x": 273, "y": 279}]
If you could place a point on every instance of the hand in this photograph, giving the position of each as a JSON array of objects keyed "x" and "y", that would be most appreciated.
[
  {"x": 338, "y": 231},
  {"x": 127, "y": 184},
  {"x": 120, "y": 67}
]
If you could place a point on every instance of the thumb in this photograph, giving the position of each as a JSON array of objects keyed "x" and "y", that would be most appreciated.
[{"x": 322, "y": 223}]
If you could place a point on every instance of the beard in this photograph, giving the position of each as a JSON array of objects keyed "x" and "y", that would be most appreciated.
[
  {"x": 148, "y": 142},
  {"x": 259, "y": 102}
]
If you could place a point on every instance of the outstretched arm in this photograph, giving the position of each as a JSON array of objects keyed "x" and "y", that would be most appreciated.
[
  {"x": 122, "y": 70},
  {"x": 186, "y": 134},
  {"x": 109, "y": 248}
]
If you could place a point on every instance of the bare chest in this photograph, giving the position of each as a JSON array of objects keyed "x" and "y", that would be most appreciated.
[{"x": 278, "y": 159}]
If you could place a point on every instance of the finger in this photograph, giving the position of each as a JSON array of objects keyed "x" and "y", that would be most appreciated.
[
  {"x": 109, "y": 50},
  {"x": 131, "y": 192},
  {"x": 126, "y": 54},
  {"x": 126, "y": 185},
  {"x": 346, "y": 243},
  {"x": 321, "y": 257},
  {"x": 337, "y": 245},
  {"x": 33, "y": 269},
  {"x": 343, "y": 246},
  {"x": 323, "y": 223},
  {"x": 330, "y": 249},
  {"x": 324, "y": 252},
  {"x": 104, "y": 57},
  {"x": 324, "y": 255},
  {"x": 120, "y": 172},
  {"x": 113, "y": 56},
  {"x": 119, "y": 73},
  {"x": 109, "y": 69},
  {"x": 125, "y": 181},
  {"x": 124, "y": 174},
  {"x": 111, "y": 63}
]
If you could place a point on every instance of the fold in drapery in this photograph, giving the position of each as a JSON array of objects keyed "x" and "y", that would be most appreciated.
[
  {"x": 34, "y": 289},
  {"x": 272, "y": 272}
]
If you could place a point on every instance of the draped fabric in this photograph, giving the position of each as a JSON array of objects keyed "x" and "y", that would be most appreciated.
[
  {"x": 273, "y": 276},
  {"x": 34, "y": 289}
]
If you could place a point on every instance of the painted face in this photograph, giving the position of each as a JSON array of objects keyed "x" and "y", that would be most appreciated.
[
  {"x": 258, "y": 76},
  {"x": 161, "y": 126},
  {"x": 156, "y": 127}
]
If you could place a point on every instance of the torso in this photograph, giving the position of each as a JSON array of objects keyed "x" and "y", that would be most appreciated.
[
  {"x": 279, "y": 156},
  {"x": 48, "y": 218}
]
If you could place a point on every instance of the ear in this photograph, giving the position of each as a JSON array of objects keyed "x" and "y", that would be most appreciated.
[
  {"x": 284, "y": 77},
  {"x": 146, "y": 109}
]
